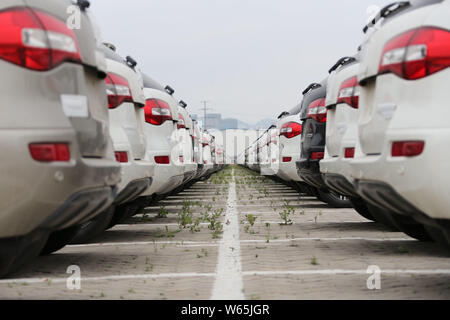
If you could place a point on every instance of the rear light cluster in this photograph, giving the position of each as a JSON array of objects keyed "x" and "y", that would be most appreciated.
[
  {"x": 417, "y": 53},
  {"x": 157, "y": 112},
  {"x": 181, "y": 123},
  {"x": 50, "y": 152},
  {"x": 121, "y": 156},
  {"x": 317, "y": 110},
  {"x": 287, "y": 159},
  {"x": 162, "y": 159},
  {"x": 36, "y": 40},
  {"x": 291, "y": 130},
  {"x": 118, "y": 90},
  {"x": 407, "y": 148},
  {"x": 317, "y": 155},
  {"x": 349, "y": 153},
  {"x": 349, "y": 93}
]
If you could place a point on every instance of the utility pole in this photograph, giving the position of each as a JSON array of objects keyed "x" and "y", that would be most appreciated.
[{"x": 205, "y": 109}]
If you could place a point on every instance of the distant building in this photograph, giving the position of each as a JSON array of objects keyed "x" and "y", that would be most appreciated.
[
  {"x": 215, "y": 121},
  {"x": 227, "y": 124}
]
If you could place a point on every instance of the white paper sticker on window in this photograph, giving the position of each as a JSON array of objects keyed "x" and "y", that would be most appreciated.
[{"x": 75, "y": 106}]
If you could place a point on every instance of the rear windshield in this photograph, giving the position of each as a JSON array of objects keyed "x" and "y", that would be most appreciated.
[
  {"x": 151, "y": 84},
  {"x": 112, "y": 55},
  {"x": 296, "y": 110},
  {"x": 311, "y": 96}
]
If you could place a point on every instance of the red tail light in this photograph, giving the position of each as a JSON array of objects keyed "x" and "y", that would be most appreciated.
[
  {"x": 317, "y": 110},
  {"x": 121, "y": 156},
  {"x": 50, "y": 152},
  {"x": 349, "y": 153},
  {"x": 181, "y": 158},
  {"x": 407, "y": 148},
  {"x": 417, "y": 53},
  {"x": 181, "y": 123},
  {"x": 118, "y": 90},
  {"x": 349, "y": 93},
  {"x": 157, "y": 112},
  {"x": 162, "y": 159},
  {"x": 287, "y": 159},
  {"x": 291, "y": 130},
  {"x": 317, "y": 155},
  {"x": 36, "y": 40}
]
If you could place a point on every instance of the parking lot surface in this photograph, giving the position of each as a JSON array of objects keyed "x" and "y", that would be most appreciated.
[{"x": 240, "y": 236}]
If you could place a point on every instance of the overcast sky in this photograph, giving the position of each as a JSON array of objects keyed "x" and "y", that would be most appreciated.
[{"x": 250, "y": 58}]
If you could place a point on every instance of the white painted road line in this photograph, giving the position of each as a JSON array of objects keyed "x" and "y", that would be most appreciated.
[
  {"x": 229, "y": 284},
  {"x": 245, "y": 273},
  {"x": 241, "y": 242}
]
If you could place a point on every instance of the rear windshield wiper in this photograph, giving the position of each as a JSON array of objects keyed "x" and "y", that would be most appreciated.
[
  {"x": 285, "y": 113},
  {"x": 312, "y": 86},
  {"x": 387, "y": 11},
  {"x": 341, "y": 62}
]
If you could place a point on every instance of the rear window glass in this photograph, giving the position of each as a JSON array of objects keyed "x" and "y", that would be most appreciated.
[{"x": 152, "y": 84}]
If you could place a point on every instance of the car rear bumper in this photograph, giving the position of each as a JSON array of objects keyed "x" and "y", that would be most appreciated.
[
  {"x": 80, "y": 207},
  {"x": 421, "y": 180},
  {"x": 133, "y": 190},
  {"x": 339, "y": 184},
  {"x": 383, "y": 195},
  {"x": 288, "y": 170},
  {"x": 31, "y": 191},
  {"x": 309, "y": 171},
  {"x": 164, "y": 176}
]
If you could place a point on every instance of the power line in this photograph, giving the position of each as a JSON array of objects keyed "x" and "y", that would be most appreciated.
[{"x": 205, "y": 109}]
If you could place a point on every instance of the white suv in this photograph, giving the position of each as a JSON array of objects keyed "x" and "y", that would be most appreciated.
[
  {"x": 289, "y": 127},
  {"x": 124, "y": 87},
  {"x": 269, "y": 152},
  {"x": 403, "y": 125},
  {"x": 185, "y": 136},
  {"x": 342, "y": 102},
  {"x": 161, "y": 125}
]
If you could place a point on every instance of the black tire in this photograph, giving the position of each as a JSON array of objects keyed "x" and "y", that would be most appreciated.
[
  {"x": 59, "y": 239},
  {"x": 94, "y": 227},
  {"x": 333, "y": 200},
  {"x": 360, "y": 206}
]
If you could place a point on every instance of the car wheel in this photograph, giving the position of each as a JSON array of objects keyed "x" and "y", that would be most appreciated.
[
  {"x": 360, "y": 206},
  {"x": 59, "y": 239},
  {"x": 94, "y": 227},
  {"x": 334, "y": 200}
]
